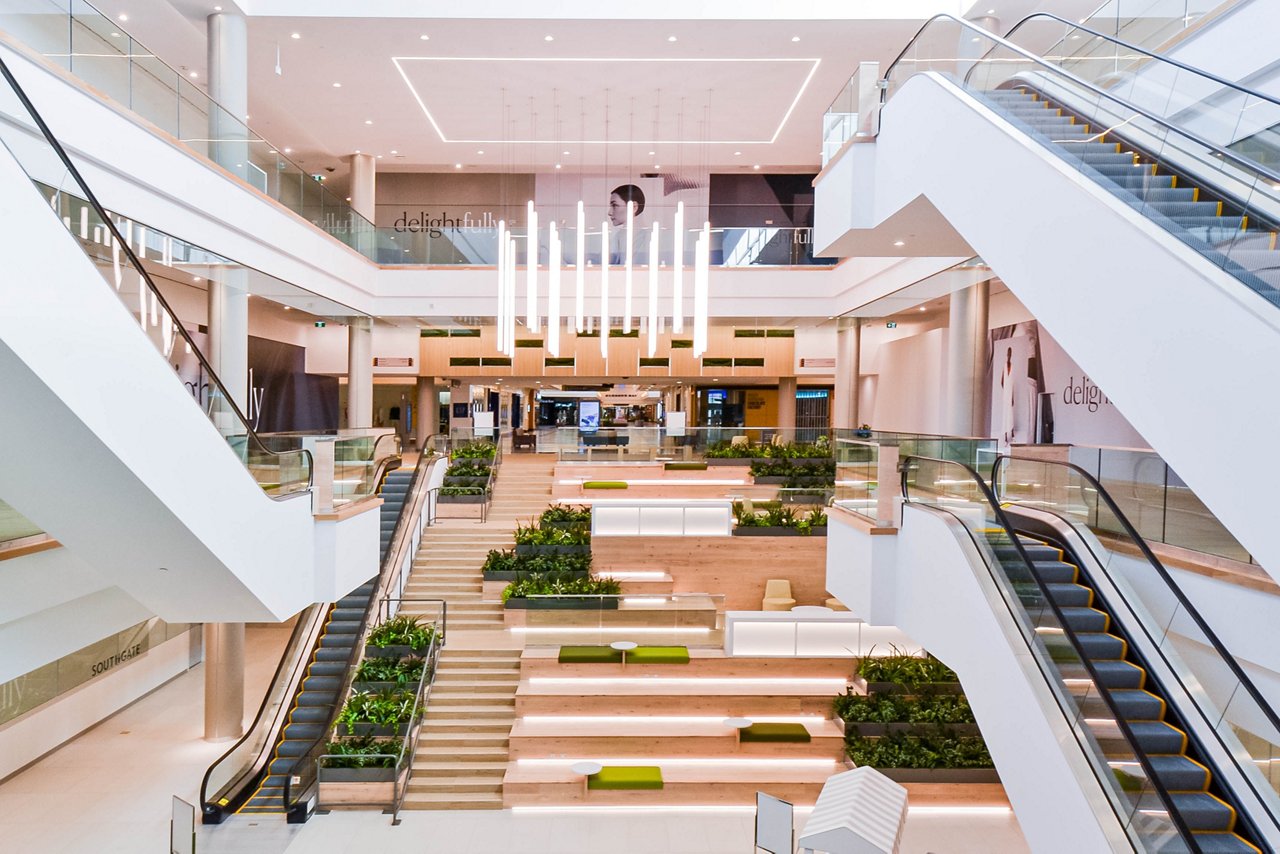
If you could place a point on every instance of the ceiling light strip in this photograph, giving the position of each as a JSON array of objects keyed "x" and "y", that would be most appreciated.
[
  {"x": 604, "y": 288},
  {"x": 502, "y": 286},
  {"x": 580, "y": 269},
  {"x": 553, "y": 291},
  {"x": 628, "y": 259},
  {"x": 653, "y": 290},
  {"x": 531, "y": 269},
  {"x": 677, "y": 264},
  {"x": 701, "y": 285}
]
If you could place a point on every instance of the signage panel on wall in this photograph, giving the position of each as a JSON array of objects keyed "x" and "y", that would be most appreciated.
[{"x": 589, "y": 416}]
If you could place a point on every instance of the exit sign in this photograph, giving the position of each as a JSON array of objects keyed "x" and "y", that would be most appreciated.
[
  {"x": 892, "y": 324},
  {"x": 320, "y": 324}
]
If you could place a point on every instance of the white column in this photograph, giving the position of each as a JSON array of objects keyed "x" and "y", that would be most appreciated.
[
  {"x": 223, "y": 681},
  {"x": 229, "y": 88},
  {"x": 428, "y": 411},
  {"x": 229, "y": 342},
  {"x": 966, "y": 387},
  {"x": 848, "y": 371},
  {"x": 360, "y": 372},
  {"x": 787, "y": 408},
  {"x": 364, "y": 177}
]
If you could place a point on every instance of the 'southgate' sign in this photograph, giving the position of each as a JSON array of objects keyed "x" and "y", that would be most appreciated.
[{"x": 119, "y": 658}]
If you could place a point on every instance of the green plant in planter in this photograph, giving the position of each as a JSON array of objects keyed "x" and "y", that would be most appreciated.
[
  {"x": 402, "y": 631},
  {"x": 780, "y": 517},
  {"x": 475, "y": 451},
  {"x": 889, "y": 708},
  {"x": 905, "y": 669},
  {"x": 468, "y": 468},
  {"x": 363, "y": 752},
  {"x": 560, "y": 584},
  {"x": 748, "y": 520},
  {"x": 464, "y": 490},
  {"x": 404, "y": 672},
  {"x": 561, "y": 516},
  {"x": 385, "y": 708},
  {"x": 918, "y": 751},
  {"x": 730, "y": 451},
  {"x": 537, "y": 536},
  {"x": 508, "y": 561}
]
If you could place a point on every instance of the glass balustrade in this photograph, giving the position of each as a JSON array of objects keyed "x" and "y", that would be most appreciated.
[{"x": 14, "y": 526}]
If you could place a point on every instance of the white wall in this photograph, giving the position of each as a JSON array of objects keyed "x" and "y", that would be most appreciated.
[{"x": 909, "y": 387}]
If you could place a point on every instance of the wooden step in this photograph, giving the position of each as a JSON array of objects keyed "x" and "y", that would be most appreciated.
[
  {"x": 452, "y": 801},
  {"x": 453, "y": 740},
  {"x": 443, "y": 720},
  {"x": 459, "y": 769},
  {"x": 455, "y": 784}
]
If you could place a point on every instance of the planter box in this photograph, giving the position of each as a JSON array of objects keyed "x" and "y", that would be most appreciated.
[
  {"x": 515, "y": 575},
  {"x": 377, "y": 730},
  {"x": 553, "y": 550},
  {"x": 729, "y": 461},
  {"x": 357, "y": 775},
  {"x": 816, "y": 498},
  {"x": 379, "y": 687},
  {"x": 770, "y": 478},
  {"x": 450, "y": 480},
  {"x": 914, "y": 690},
  {"x": 874, "y": 730},
  {"x": 941, "y": 775},
  {"x": 462, "y": 499},
  {"x": 397, "y": 652},
  {"x": 743, "y": 531},
  {"x": 553, "y": 603}
]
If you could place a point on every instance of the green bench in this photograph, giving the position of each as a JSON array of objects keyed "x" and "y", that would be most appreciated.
[
  {"x": 604, "y": 484},
  {"x": 794, "y": 733},
  {"x": 609, "y": 655},
  {"x": 626, "y": 777},
  {"x": 684, "y": 467}
]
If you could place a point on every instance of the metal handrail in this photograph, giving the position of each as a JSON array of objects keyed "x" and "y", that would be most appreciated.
[
  {"x": 1173, "y": 587},
  {"x": 141, "y": 269},
  {"x": 1227, "y": 154},
  {"x": 1253, "y": 93},
  {"x": 1122, "y": 724}
]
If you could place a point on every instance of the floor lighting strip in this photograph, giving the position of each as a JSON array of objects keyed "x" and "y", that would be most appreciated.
[{"x": 745, "y": 681}]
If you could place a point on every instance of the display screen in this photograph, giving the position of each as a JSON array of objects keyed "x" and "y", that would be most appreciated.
[{"x": 589, "y": 416}]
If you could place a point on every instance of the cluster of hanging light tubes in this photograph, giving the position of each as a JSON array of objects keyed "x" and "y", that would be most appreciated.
[{"x": 508, "y": 262}]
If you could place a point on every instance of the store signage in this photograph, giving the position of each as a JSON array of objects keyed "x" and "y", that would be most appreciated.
[
  {"x": 424, "y": 222},
  {"x": 393, "y": 362},
  {"x": 625, "y": 398},
  {"x": 817, "y": 362},
  {"x": 120, "y": 657}
]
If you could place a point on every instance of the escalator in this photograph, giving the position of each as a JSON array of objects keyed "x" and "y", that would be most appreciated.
[
  {"x": 252, "y": 781},
  {"x": 1106, "y": 189},
  {"x": 1179, "y": 739}
]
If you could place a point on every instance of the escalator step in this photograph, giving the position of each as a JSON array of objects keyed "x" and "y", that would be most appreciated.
[
  {"x": 1055, "y": 571},
  {"x": 1086, "y": 619},
  {"x": 1070, "y": 595},
  {"x": 327, "y": 668},
  {"x": 1158, "y": 737},
  {"x": 333, "y": 654},
  {"x": 1137, "y": 705},
  {"x": 1098, "y": 646},
  {"x": 1178, "y": 773},
  {"x": 343, "y": 627},
  {"x": 348, "y": 615},
  {"x": 310, "y": 714},
  {"x": 1221, "y": 842},
  {"x": 1202, "y": 811},
  {"x": 293, "y": 748},
  {"x": 1168, "y": 194},
  {"x": 1119, "y": 674},
  {"x": 315, "y": 699},
  {"x": 273, "y": 781},
  {"x": 1185, "y": 210},
  {"x": 318, "y": 683},
  {"x": 282, "y": 765},
  {"x": 332, "y": 640},
  {"x": 303, "y": 732},
  {"x": 1034, "y": 552}
]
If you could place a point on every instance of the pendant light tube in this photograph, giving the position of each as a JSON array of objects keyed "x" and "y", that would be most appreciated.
[
  {"x": 653, "y": 291},
  {"x": 553, "y": 291},
  {"x": 531, "y": 270},
  {"x": 604, "y": 288},
  {"x": 511, "y": 295},
  {"x": 580, "y": 273},
  {"x": 677, "y": 269},
  {"x": 628, "y": 259},
  {"x": 701, "y": 297},
  {"x": 502, "y": 285}
]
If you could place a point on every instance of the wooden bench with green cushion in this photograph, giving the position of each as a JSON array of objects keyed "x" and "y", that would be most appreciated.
[
  {"x": 775, "y": 732},
  {"x": 604, "y": 484},
  {"x": 626, "y": 777},
  {"x": 609, "y": 655},
  {"x": 685, "y": 466},
  {"x": 659, "y": 655},
  {"x": 590, "y": 655}
]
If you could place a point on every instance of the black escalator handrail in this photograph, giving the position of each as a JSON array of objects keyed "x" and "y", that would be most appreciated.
[
  {"x": 1242, "y": 162},
  {"x": 1252, "y": 93},
  {"x": 425, "y": 464},
  {"x": 1121, "y": 722},
  {"x": 110, "y": 225},
  {"x": 1160, "y": 570}
]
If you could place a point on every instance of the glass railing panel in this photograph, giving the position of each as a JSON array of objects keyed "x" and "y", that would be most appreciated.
[
  {"x": 99, "y": 52},
  {"x": 15, "y": 526},
  {"x": 41, "y": 25},
  {"x": 1103, "y": 737},
  {"x": 857, "y": 485}
]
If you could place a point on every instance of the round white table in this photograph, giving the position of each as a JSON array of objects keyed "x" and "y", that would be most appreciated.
[
  {"x": 811, "y": 610},
  {"x": 738, "y": 725},
  {"x": 586, "y": 769},
  {"x": 624, "y": 647}
]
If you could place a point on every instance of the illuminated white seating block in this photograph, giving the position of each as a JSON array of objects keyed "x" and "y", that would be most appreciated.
[{"x": 858, "y": 812}]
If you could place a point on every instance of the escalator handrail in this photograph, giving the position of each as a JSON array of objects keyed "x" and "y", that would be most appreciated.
[
  {"x": 1227, "y": 154},
  {"x": 111, "y": 227},
  {"x": 1122, "y": 724},
  {"x": 1158, "y": 566},
  {"x": 1252, "y": 93},
  {"x": 425, "y": 463}
]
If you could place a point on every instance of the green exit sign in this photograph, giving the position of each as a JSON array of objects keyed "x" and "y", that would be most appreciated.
[
  {"x": 320, "y": 324},
  {"x": 892, "y": 324}
]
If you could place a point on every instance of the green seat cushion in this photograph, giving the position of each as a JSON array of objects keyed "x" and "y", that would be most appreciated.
[
  {"x": 685, "y": 467},
  {"x": 775, "y": 732},
  {"x": 604, "y": 484},
  {"x": 590, "y": 655},
  {"x": 626, "y": 777},
  {"x": 659, "y": 655}
]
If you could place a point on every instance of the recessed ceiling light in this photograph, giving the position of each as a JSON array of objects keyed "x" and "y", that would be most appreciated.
[
  {"x": 115, "y": 35},
  {"x": 757, "y": 166},
  {"x": 357, "y": 151},
  {"x": 295, "y": 35},
  {"x": 548, "y": 38},
  {"x": 193, "y": 73},
  {"x": 922, "y": 308},
  {"x": 657, "y": 166},
  {"x": 557, "y": 165},
  {"x": 348, "y": 198},
  {"x": 566, "y": 154},
  {"x": 217, "y": 8},
  {"x": 899, "y": 243},
  {"x": 196, "y": 279},
  {"x": 651, "y": 153},
  {"x": 122, "y": 17},
  {"x": 379, "y": 156},
  {"x": 991, "y": 11},
  {"x": 288, "y": 308},
  {"x": 337, "y": 85},
  {"x": 457, "y": 166},
  {"x": 975, "y": 39},
  {"x": 481, "y": 151},
  {"x": 368, "y": 121},
  {"x": 795, "y": 38},
  {"x": 288, "y": 151},
  {"x": 671, "y": 38},
  {"x": 273, "y": 151},
  {"x": 424, "y": 37},
  {"x": 393, "y": 151},
  {"x": 737, "y": 154}
]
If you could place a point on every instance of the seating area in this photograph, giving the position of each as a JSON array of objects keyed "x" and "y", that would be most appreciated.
[
  {"x": 614, "y": 655},
  {"x": 777, "y": 595},
  {"x": 626, "y": 777}
]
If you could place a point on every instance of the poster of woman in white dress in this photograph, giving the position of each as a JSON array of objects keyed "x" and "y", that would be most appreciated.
[{"x": 1016, "y": 382}]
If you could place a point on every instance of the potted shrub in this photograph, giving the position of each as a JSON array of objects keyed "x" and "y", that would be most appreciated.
[
  {"x": 388, "y": 674},
  {"x": 361, "y": 760},
  {"x": 475, "y": 451},
  {"x": 464, "y": 494},
  {"x": 509, "y": 566},
  {"x": 729, "y": 454},
  {"x": 561, "y": 591},
  {"x": 780, "y": 521},
  {"x": 560, "y": 516},
  {"x": 566, "y": 541},
  {"x": 926, "y": 758},
  {"x": 399, "y": 637},
  {"x": 908, "y": 674},
  {"x": 385, "y": 713},
  {"x": 870, "y": 715}
]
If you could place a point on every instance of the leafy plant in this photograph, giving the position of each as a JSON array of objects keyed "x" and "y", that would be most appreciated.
[
  {"x": 918, "y": 751},
  {"x": 561, "y": 516},
  {"x": 464, "y": 490},
  {"x": 402, "y": 631},
  {"x": 905, "y": 669},
  {"x": 405, "y": 672},
  {"x": 551, "y": 536},
  {"x": 468, "y": 468},
  {"x": 475, "y": 451},
  {"x": 890, "y": 708},
  {"x": 817, "y": 518},
  {"x": 730, "y": 451},
  {"x": 385, "y": 708},
  {"x": 508, "y": 561},
  {"x": 560, "y": 584},
  {"x": 363, "y": 752},
  {"x": 749, "y": 520},
  {"x": 780, "y": 517}
]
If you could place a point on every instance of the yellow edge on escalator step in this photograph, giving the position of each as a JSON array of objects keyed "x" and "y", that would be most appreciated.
[
  {"x": 1195, "y": 194},
  {"x": 1163, "y": 706},
  {"x": 1232, "y": 825},
  {"x": 1208, "y": 775},
  {"x": 1230, "y": 833},
  {"x": 1244, "y": 223}
]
